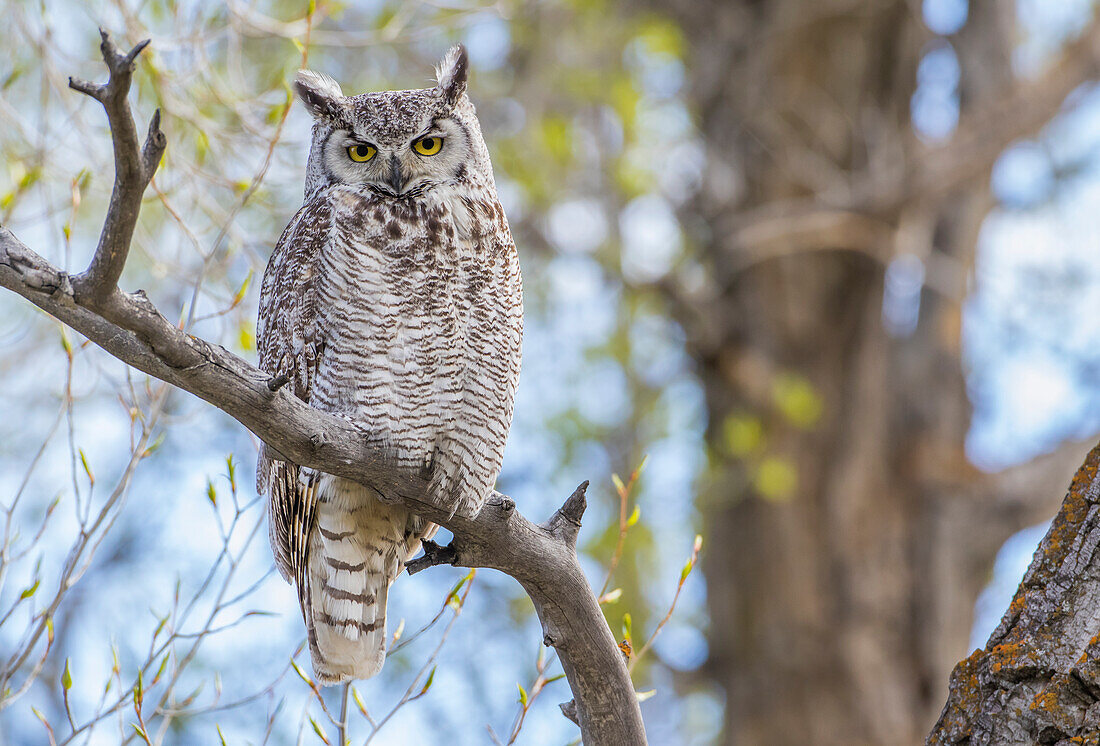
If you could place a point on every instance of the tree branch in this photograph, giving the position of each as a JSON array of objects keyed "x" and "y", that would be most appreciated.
[
  {"x": 984, "y": 134},
  {"x": 541, "y": 557},
  {"x": 133, "y": 171},
  {"x": 434, "y": 555},
  {"x": 864, "y": 222},
  {"x": 1038, "y": 678}
]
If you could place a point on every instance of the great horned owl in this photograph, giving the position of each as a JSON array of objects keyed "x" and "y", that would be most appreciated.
[{"x": 393, "y": 299}]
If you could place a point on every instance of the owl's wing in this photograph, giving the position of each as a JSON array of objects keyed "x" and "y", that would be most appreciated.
[{"x": 290, "y": 344}]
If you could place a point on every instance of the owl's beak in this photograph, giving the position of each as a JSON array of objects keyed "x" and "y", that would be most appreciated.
[{"x": 396, "y": 178}]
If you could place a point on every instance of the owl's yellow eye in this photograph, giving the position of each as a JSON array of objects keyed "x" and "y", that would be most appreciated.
[
  {"x": 361, "y": 153},
  {"x": 428, "y": 145}
]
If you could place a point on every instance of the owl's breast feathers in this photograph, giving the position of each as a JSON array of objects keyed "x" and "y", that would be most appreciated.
[{"x": 409, "y": 317}]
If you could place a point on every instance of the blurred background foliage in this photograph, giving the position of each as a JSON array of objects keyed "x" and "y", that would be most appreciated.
[{"x": 756, "y": 259}]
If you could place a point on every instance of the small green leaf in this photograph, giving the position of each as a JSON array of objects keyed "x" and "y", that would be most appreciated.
[
  {"x": 688, "y": 567},
  {"x": 30, "y": 177},
  {"x": 13, "y": 76},
  {"x": 797, "y": 399},
  {"x": 202, "y": 146},
  {"x": 619, "y": 486},
  {"x": 776, "y": 479},
  {"x": 428, "y": 683},
  {"x": 300, "y": 672},
  {"x": 87, "y": 469},
  {"x": 399, "y": 631},
  {"x": 241, "y": 292},
  {"x": 611, "y": 596},
  {"x": 318, "y": 730},
  {"x": 160, "y": 626},
  {"x": 662, "y": 36},
  {"x": 742, "y": 435},
  {"x": 690, "y": 564},
  {"x": 157, "y": 442},
  {"x": 246, "y": 337},
  {"x": 634, "y": 516},
  {"x": 28, "y": 592},
  {"x": 231, "y": 467},
  {"x": 522, "y": 696},
  {"x": 359, "y": 702},
  {"x": 452, "y": 597},
  {"x": 66, "y": 677},
  {"x": 163, "y": 666},
  {"x": 211, "y": 493},
  {"x": 643, "y": 696},
  {"x": 627, "y": 625}
]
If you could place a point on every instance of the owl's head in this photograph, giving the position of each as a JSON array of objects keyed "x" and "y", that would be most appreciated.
[{"x": 398, "y": 143}]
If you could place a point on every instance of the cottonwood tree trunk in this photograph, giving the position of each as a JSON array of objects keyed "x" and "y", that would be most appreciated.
[
  {"x": 839, "y": 606},
  {"x": 1038, "y": 678}
]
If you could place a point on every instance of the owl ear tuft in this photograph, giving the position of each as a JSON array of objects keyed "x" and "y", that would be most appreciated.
[
  {"x": 451, "y": 75},
  {"x": 321, "y": 95}
]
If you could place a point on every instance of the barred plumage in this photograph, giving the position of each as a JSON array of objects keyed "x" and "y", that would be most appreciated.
[{"x": 392, "y": 299}]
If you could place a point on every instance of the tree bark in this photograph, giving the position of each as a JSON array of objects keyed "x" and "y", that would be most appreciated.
[
  {"x": 837, "y": 611},
  {"x": 1038, "y": 678},
  {"x": 541, "y": 557}
]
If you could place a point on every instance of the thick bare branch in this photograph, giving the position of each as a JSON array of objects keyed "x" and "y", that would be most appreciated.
[
  {"x": 134, "y": 168},
  {"x": 1021, "y": 495},
  {"x": 541, "y": 557}
]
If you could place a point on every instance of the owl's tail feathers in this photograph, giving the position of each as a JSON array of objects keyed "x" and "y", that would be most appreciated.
[
  {"x": 344, "y": 603},
  {"x": 348, "y": 641}
]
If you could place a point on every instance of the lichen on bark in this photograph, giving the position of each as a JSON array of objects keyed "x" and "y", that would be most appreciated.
[{"x": 1038, "y": 678}]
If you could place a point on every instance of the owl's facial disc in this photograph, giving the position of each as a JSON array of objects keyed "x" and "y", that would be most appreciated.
[{"x": 397, "y": 163}]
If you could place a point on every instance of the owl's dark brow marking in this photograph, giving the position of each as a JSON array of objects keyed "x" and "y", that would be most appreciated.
[
  {"x": 432, "y": 128},
  {"x": 324, "y": 161},
  {"x": 465, "y": 130}
]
